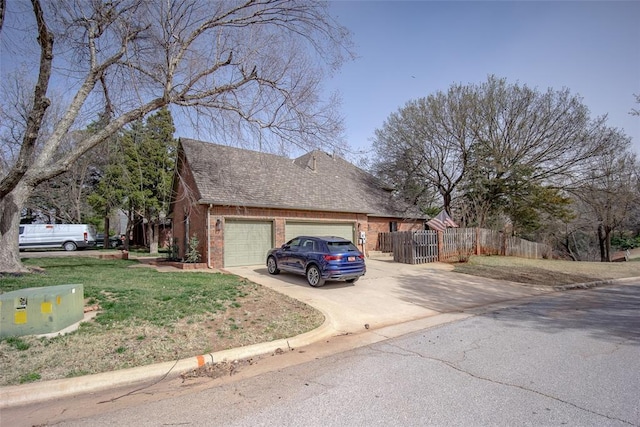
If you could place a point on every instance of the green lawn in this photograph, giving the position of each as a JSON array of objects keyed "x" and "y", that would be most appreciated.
[
  {"x": 133, "y": 294},
  {"x": 145, "y": 317}
]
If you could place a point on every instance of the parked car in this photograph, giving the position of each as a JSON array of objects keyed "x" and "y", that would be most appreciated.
[
  {"x": 114, "y": 241},
  {"x": 319, "y": 259},
  {"x": 62, "y": 236}
]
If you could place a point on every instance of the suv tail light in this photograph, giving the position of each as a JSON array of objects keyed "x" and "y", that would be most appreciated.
[
  {"x": 332, "y": 257},
  {"x": 86, "y": 236}
]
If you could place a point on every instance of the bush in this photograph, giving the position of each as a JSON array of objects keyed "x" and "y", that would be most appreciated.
[
  {"x": 172, "y": 254},
  {"x": 192, "y": 255},
  {"x": 623, "y": 242}
]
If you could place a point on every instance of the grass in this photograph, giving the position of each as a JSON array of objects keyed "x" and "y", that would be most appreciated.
[
  {"x": 134, "y": 295},
  {"x": 17, "y": 343},
  {"x": 546, "y": 272},
  {"x": 146, "y": 317}
]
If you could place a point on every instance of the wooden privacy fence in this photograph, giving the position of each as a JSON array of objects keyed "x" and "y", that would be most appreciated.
[
  {"x": 414, "y": 247},
  {"x": 456, "y": 244}
]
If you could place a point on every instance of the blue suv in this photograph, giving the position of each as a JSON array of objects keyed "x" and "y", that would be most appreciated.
[{"x": 319, "y": 259}]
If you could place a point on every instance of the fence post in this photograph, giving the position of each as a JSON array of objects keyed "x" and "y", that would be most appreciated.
[{"x": 440, "y": 245}]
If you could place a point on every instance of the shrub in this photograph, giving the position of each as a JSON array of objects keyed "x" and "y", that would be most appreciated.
[
  {"x": 172, "y": 254},
  {"x": 192, "y": 255}
]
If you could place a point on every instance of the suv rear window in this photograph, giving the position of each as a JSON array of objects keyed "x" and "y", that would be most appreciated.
[{"x": 340, "y": 247}]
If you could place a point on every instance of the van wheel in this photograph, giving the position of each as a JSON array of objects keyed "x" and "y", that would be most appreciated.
[{"x": 69, "y": 246}]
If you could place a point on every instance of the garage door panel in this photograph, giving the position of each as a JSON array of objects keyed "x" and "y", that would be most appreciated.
[
  {"x": 294, "y": 229},
  {"x": 246, "y": 242}
]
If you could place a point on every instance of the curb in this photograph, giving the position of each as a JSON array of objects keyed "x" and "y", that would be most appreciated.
[
  {"x": 595, "y": 284},
  {"x": 42, "y": 391}
]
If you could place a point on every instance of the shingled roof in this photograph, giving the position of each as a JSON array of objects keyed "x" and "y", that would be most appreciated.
[{"x": 317, "y": 181}]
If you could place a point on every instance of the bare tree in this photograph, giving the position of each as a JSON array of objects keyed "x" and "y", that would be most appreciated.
[
  {"x": 64, "y": 197},
  {"x": 610, "y": 189},
  {"x": 636, "y": 111},
  {"x": 252, "y": 68},
  {"x": 498, "y": 149},
  {"x": 422, "y": 149},
  {"x": 2, "y": 8}
]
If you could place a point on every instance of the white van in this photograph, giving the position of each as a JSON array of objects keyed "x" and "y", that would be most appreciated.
[{"x": 66, "y": 236}]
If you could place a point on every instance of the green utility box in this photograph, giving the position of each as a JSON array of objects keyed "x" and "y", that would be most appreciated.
[{"x": 45, "y": 310}]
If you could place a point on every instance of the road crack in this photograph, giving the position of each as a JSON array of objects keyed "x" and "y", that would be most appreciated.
[{"x": 407, "y": 352}]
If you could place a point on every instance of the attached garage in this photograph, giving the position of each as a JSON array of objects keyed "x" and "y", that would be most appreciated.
[
  {"x": 339, "y": 229},
  {"x": 247, "y": 242},
  {"x": 238, "y": 216}
]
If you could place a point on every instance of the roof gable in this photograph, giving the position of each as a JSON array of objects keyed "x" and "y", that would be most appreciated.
[{"x": 316, "y": 181}]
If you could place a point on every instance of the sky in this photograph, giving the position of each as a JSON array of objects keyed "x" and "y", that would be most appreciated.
[
  {"x": 411, "y": 49},
  {"x": 408, "y": 50}
]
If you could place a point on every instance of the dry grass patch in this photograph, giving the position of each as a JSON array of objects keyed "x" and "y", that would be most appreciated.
[
  {"x": 546, "y": 272},
  {"x": 149, "y": 317},
  {"x": 262, "y": 315}
]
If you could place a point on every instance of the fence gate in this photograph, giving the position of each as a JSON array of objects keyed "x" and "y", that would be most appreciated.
[
  {"x": 415, "y": 247},
  {"x": 419, "y": 247}
]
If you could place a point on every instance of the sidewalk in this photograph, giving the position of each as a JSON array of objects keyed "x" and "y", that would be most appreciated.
[{"x": 391, "y": 300}]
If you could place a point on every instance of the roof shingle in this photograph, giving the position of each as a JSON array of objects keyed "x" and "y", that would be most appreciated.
[{"x": 316, "y": 181}]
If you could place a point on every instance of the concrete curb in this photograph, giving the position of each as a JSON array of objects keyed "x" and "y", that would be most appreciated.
[
  {"x": 595, "y": 284},
  {"x": 47, "y": 390}
]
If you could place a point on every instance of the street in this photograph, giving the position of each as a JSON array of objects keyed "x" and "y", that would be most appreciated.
[{"x": 570, "y": 358}]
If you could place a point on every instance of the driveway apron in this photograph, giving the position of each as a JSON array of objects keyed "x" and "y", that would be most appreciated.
[{"x": 391, "y": 293}]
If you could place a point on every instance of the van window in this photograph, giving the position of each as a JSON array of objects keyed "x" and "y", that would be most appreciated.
[{"x": 21, "y": 230}]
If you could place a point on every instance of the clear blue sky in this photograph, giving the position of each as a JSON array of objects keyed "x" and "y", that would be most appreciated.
[{"x": 409, "y": 50}]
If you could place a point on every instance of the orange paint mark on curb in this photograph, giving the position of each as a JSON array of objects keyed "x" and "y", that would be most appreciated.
[{"x": 200, "y": 360}]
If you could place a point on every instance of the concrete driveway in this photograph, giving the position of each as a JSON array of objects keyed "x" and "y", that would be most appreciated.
[{"x": 391, "y": 293}]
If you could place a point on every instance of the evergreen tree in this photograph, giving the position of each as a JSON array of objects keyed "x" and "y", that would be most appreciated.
[
  {"x": 149, "y": 158},
  {"x": 108, "y": 193}
]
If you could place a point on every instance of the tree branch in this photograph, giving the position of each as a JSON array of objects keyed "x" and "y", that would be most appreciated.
[{"x": 39, "y": 105}]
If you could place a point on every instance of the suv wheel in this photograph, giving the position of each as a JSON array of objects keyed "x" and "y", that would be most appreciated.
[
  {"x": 314, "y": 277},
  {"x": 69, "y": 246},
  {"x": 272, "y": 266}
]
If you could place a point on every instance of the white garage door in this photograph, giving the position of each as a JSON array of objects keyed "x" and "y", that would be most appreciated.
[
  {"x": 342, "y": 229},
  {"x": 247, "y": 242}
]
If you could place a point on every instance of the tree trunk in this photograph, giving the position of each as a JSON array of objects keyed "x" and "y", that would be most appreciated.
[
  {"x": 106, "y": 242},
  {"x": 153, "y": 237},
  {"x": 567, "y": 246},
  {"x": 9, "y": 229},
  {"x": 446, "y": 201},
  {"x": 607, "y": 243},
  {"x": 601, "y": 242}
]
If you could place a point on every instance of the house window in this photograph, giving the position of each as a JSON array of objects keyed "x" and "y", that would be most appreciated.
[{"x": 393, "y": 226}]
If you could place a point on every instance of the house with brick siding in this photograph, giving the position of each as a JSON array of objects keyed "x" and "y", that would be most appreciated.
[{"x": 239, "y": 203}]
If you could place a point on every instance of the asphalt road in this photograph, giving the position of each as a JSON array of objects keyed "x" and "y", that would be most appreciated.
[{"x": 571, "y": 358}]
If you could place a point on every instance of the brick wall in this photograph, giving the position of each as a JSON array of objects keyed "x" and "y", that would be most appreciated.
[
  {"x": 187, "y": 213},
  {"x": 383, "y": 225},
  {"x": 279, "y": 217}
]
